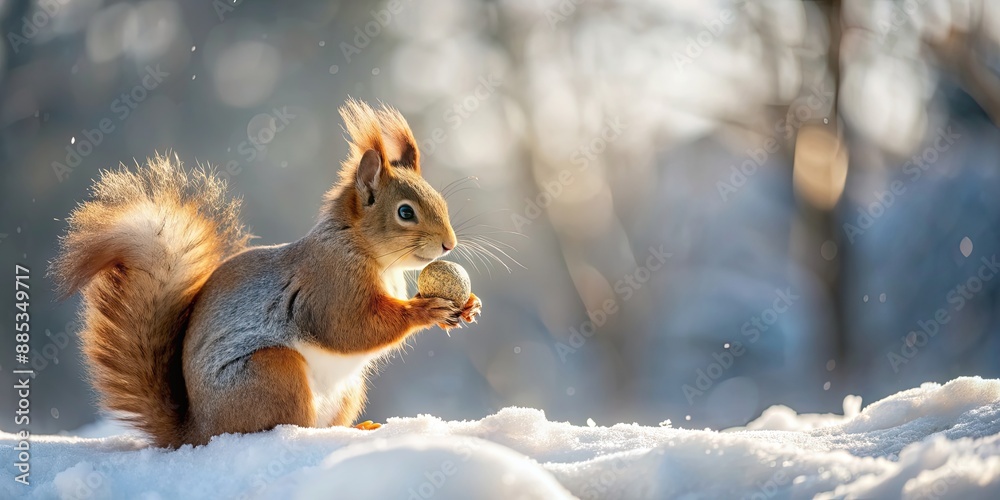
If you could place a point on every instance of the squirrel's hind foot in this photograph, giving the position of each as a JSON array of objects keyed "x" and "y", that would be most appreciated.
[{"x": 368, "y": 425}]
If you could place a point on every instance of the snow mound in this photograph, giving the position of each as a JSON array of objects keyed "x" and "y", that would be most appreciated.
[
  {"x": 453, "y": 467},
  {"x": 936, "y": 441}
]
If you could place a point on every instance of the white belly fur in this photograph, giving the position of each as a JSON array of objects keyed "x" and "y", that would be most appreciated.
[{"x": 329, "y": 375}]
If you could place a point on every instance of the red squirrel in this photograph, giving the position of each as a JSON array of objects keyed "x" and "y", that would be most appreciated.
[{"x": 189, "y": 333}]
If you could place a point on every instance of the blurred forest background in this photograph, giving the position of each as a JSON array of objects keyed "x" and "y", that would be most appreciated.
[{"x": 720, "y": 205}]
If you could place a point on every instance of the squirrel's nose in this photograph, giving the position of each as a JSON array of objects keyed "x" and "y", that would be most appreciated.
[{"x": 449, "y": 242}]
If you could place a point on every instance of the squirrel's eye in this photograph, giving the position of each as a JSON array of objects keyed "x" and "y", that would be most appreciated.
[{"x": 405, "y": 212}]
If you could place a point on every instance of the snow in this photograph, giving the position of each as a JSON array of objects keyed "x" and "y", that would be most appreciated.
[{"x": 935, "y": 441}]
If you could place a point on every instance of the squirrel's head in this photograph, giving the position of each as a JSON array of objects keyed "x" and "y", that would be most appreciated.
[{"x": 403, "y": 220}]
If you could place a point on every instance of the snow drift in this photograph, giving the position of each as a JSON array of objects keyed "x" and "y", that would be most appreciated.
[{"x": 936, "y": 441}]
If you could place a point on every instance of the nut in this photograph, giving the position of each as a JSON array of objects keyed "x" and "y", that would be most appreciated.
[{"x": 446, "y": 280}]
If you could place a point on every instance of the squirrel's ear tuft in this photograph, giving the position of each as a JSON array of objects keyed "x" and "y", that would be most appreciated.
[
  {"x": 368, "y": 174},
  {"x": 364, "y": 126},
  {"x": 394, "y": 126}
]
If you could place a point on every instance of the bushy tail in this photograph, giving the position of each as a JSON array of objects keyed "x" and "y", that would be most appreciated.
[{"x": 140, "y": 250}]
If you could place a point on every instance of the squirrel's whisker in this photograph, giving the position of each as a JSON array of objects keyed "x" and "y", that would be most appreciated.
[
  {"x": 464, "y": 252},
  {"x": 452, "y": 183},
  {"x": 482, "y": 246},
  {"x": 505, "y": 254},
  {"x": 412, "y": 249},
  {"x": 494, "y": 241},
  {"x": 457, "y": 183},
  {"x": 497, "y": 230},
  {"x": 463, "y": 224},
  {"x": 459, "y": 190},
  {"x": 394, "y": 251},
  {"x": 456, "y": 214},
  {"x": 483, "y": 253},
  {"x": 474, "y": 253}
]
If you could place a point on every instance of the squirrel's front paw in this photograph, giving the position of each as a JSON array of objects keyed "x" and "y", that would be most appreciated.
[
  {"x": 472, "y": 308},
  {"x": 442, "y": 312}
]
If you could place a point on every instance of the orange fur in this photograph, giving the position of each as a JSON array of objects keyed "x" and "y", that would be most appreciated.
[
  {"x": 274, "y": 392},
  {"x": 140, "y": 250}
]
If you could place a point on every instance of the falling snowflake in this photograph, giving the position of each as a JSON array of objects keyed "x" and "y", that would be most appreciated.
[{"x": 965, "y": 246}]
